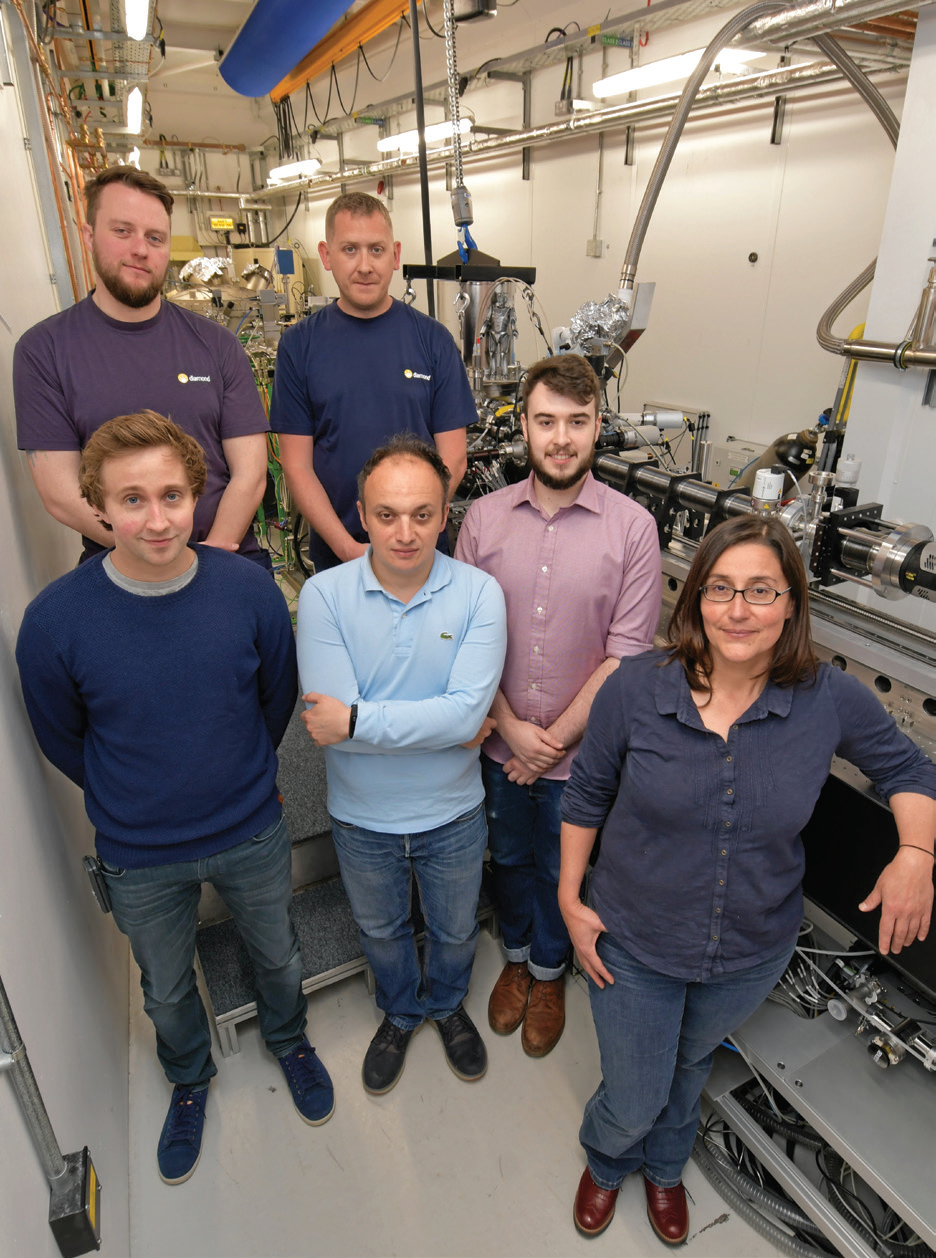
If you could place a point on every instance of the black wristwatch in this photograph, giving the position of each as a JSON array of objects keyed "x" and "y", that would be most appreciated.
[{"x": 352, "y": 720}]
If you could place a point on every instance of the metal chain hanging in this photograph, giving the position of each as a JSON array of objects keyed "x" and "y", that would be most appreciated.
[{"x": 461, "y": 197}]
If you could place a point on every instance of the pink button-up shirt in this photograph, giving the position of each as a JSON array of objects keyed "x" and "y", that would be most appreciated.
[{"x": 581, "y": 586}]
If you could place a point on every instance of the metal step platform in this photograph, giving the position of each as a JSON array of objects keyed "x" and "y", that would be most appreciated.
[{"x": 329, "y": 942}]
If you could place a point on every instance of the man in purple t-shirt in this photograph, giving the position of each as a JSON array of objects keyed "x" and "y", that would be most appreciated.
[
  {"x": 123, "y": 349},
  {"x": 579, "y": 564}
]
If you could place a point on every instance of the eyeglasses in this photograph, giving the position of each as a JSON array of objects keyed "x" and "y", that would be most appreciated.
[{"x": 759, "y": 595}]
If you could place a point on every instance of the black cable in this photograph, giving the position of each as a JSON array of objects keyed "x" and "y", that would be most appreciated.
[
  {"x": 269, "y": 242},
  {"x": 357, "y": 74},
  {"x": 392, "y": 59},
  {"x": 425, "y": 10}
]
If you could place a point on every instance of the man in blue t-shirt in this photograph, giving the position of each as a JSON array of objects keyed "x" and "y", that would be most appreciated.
[
  {"x": 160, "y": 678},
  {"x": 123, "y": 348},
  {"x": 358, "y": 372}
]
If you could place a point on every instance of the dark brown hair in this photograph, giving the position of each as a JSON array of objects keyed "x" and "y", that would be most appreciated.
[
  {"x": 141, "y": 431},
  {"x": 569, "y": 375},
  {"x": 133, "y": 178},
  {"x": 794, "y": 659},
  {"x": 406, "y": 445},
  {"x": 358, "y": 205}
]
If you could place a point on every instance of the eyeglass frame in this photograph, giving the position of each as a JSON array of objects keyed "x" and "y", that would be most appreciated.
[{"x": 725, "y": 601}]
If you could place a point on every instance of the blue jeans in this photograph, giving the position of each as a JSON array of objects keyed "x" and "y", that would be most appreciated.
[
  {"x": 657, "y": 1035},
  {"x": 376, "y": 869},
  {"x": 157, "y": 909},
  {"x": 523, "y": 835}
]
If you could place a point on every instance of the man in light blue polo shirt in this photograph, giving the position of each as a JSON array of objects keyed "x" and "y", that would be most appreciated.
[{"x": 400, "y": 655}]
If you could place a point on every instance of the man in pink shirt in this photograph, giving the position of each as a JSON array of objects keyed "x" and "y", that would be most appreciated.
[{"x": 579, "y": 564}]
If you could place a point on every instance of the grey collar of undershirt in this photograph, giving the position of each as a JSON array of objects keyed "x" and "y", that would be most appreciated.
[{"x": 150, "y": 589}]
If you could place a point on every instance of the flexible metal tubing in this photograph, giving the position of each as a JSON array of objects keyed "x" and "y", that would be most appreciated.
[
  {"x": 740, "y": 22},
  {"x": 888, "y": 120},
  {"x": 758, "y": 1195},
  {"x": 712, "y": 1171}
]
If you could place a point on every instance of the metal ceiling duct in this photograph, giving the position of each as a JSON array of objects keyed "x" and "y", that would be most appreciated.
[{"x": 275, "y": 35}]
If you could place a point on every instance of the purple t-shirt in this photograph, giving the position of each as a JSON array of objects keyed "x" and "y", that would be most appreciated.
[{"x": 80, "y": 368}]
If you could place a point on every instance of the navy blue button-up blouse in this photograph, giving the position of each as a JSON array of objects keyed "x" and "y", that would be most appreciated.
[{"x": 701, "y": 859}]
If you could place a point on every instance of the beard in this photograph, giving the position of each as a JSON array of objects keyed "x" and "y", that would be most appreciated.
[
  {"x": 566, "y": 481},
  {"x": 134, "y": 297}
]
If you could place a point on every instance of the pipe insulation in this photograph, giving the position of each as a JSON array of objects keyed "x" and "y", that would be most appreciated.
[{"x": 275, "y": 35}]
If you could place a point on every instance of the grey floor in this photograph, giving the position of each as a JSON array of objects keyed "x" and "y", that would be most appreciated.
[{"x": 435, "y": 1168}]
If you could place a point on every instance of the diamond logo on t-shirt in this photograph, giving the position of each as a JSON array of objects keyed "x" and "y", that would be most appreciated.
[
  {"x": 415, "y": 375},
  {"x": 183, "y": 378}
]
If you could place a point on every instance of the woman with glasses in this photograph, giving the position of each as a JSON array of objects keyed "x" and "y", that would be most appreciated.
[{"x": 702, "y": 763}]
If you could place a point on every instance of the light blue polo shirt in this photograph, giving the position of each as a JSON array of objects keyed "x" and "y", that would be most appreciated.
[{"x": 423, "y": 675}]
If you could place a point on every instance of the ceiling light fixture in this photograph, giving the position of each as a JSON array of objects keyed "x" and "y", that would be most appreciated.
[
  {"x": 669, "y": 69},
  {"x": 135, "y": 111},
  {"x": 137, "y": 18},
  {"x": 410, "y": 139},
  {"x": 294, "y": 170}
]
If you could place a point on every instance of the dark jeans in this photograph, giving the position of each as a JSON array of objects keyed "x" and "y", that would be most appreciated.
[
  {"x": 157, "y": 909},
  {"x": 657, "y": 1036},
  {"x": 523, "y": 835},
  {"x": 446, "y": 863}
]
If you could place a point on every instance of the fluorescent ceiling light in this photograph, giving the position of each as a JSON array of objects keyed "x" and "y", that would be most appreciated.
[
  {"x": 294, "y": 170},
  {"x": 410, "y": 139},
  {"x": 669, "y": 69},
  {"x": 137, "y": 18},
  {"x": 135, "y": 111}
]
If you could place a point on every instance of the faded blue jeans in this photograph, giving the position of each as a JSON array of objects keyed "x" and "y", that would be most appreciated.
[
  {"x": 657, "y": 1036},
  {"x": 523, "y": 835},
  {"x": 157, "y": 909},
  {"x": 446, "y": 865}
]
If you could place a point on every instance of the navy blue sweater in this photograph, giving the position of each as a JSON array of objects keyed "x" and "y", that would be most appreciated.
[{"x": 166, "y": 710}]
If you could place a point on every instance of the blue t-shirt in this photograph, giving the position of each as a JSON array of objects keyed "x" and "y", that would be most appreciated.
[
  {"x": 351, "y": 384},
  {"x": 701, "y": 860},
  {"x": 78, "y": 369}
]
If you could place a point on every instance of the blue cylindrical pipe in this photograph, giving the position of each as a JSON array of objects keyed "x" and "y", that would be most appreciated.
[{"x": 274, "y": 38}]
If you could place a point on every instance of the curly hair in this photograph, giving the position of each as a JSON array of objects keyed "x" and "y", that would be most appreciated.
[{"x": 143, "y": 430}]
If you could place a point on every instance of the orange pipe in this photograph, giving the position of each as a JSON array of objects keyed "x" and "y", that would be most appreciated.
[{"x": 361, "y": 27}]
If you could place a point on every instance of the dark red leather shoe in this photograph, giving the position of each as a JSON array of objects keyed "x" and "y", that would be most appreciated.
[
  {"x": 594, "y": 1206},
  {"x": 668, "y": 1212}
]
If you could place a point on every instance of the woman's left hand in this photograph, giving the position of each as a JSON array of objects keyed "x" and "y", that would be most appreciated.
[{"x": 905, "y": 893}]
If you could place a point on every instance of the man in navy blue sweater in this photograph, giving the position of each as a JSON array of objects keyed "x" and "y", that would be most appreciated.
[{"x": 160, "y": 678}]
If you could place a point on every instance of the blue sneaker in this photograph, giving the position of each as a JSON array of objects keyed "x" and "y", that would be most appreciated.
[
  {"x": 309, "y": 1083},
  {"x": 180, "y": 1142}
]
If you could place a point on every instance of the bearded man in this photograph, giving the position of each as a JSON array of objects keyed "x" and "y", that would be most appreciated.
[
  {"x": 123, "y": 349},
  {"x": 579, "y": 564}
]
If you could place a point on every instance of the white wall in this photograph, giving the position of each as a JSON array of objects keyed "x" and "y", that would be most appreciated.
[
  {"x": 63, "y": 963},
  {"x": 889, "y": 428},
  {"x": 726, "y": 335}
]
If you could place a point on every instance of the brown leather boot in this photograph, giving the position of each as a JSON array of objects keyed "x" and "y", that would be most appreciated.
[
  {"x": 545, "y": 1016},
  {"x": 509, "y": 997}
]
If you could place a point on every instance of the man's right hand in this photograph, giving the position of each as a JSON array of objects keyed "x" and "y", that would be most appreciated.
[{"x": 532, "y": 746}]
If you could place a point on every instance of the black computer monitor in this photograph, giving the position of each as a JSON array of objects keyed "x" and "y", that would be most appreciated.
[{"x": 849, "y": 839}]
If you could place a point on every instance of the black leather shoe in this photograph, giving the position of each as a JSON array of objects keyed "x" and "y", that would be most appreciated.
[
  {"x": 594, "y": 1206},
  {"x": 464, "y": 1047},
  {"x": 385, "y": 1058}
]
